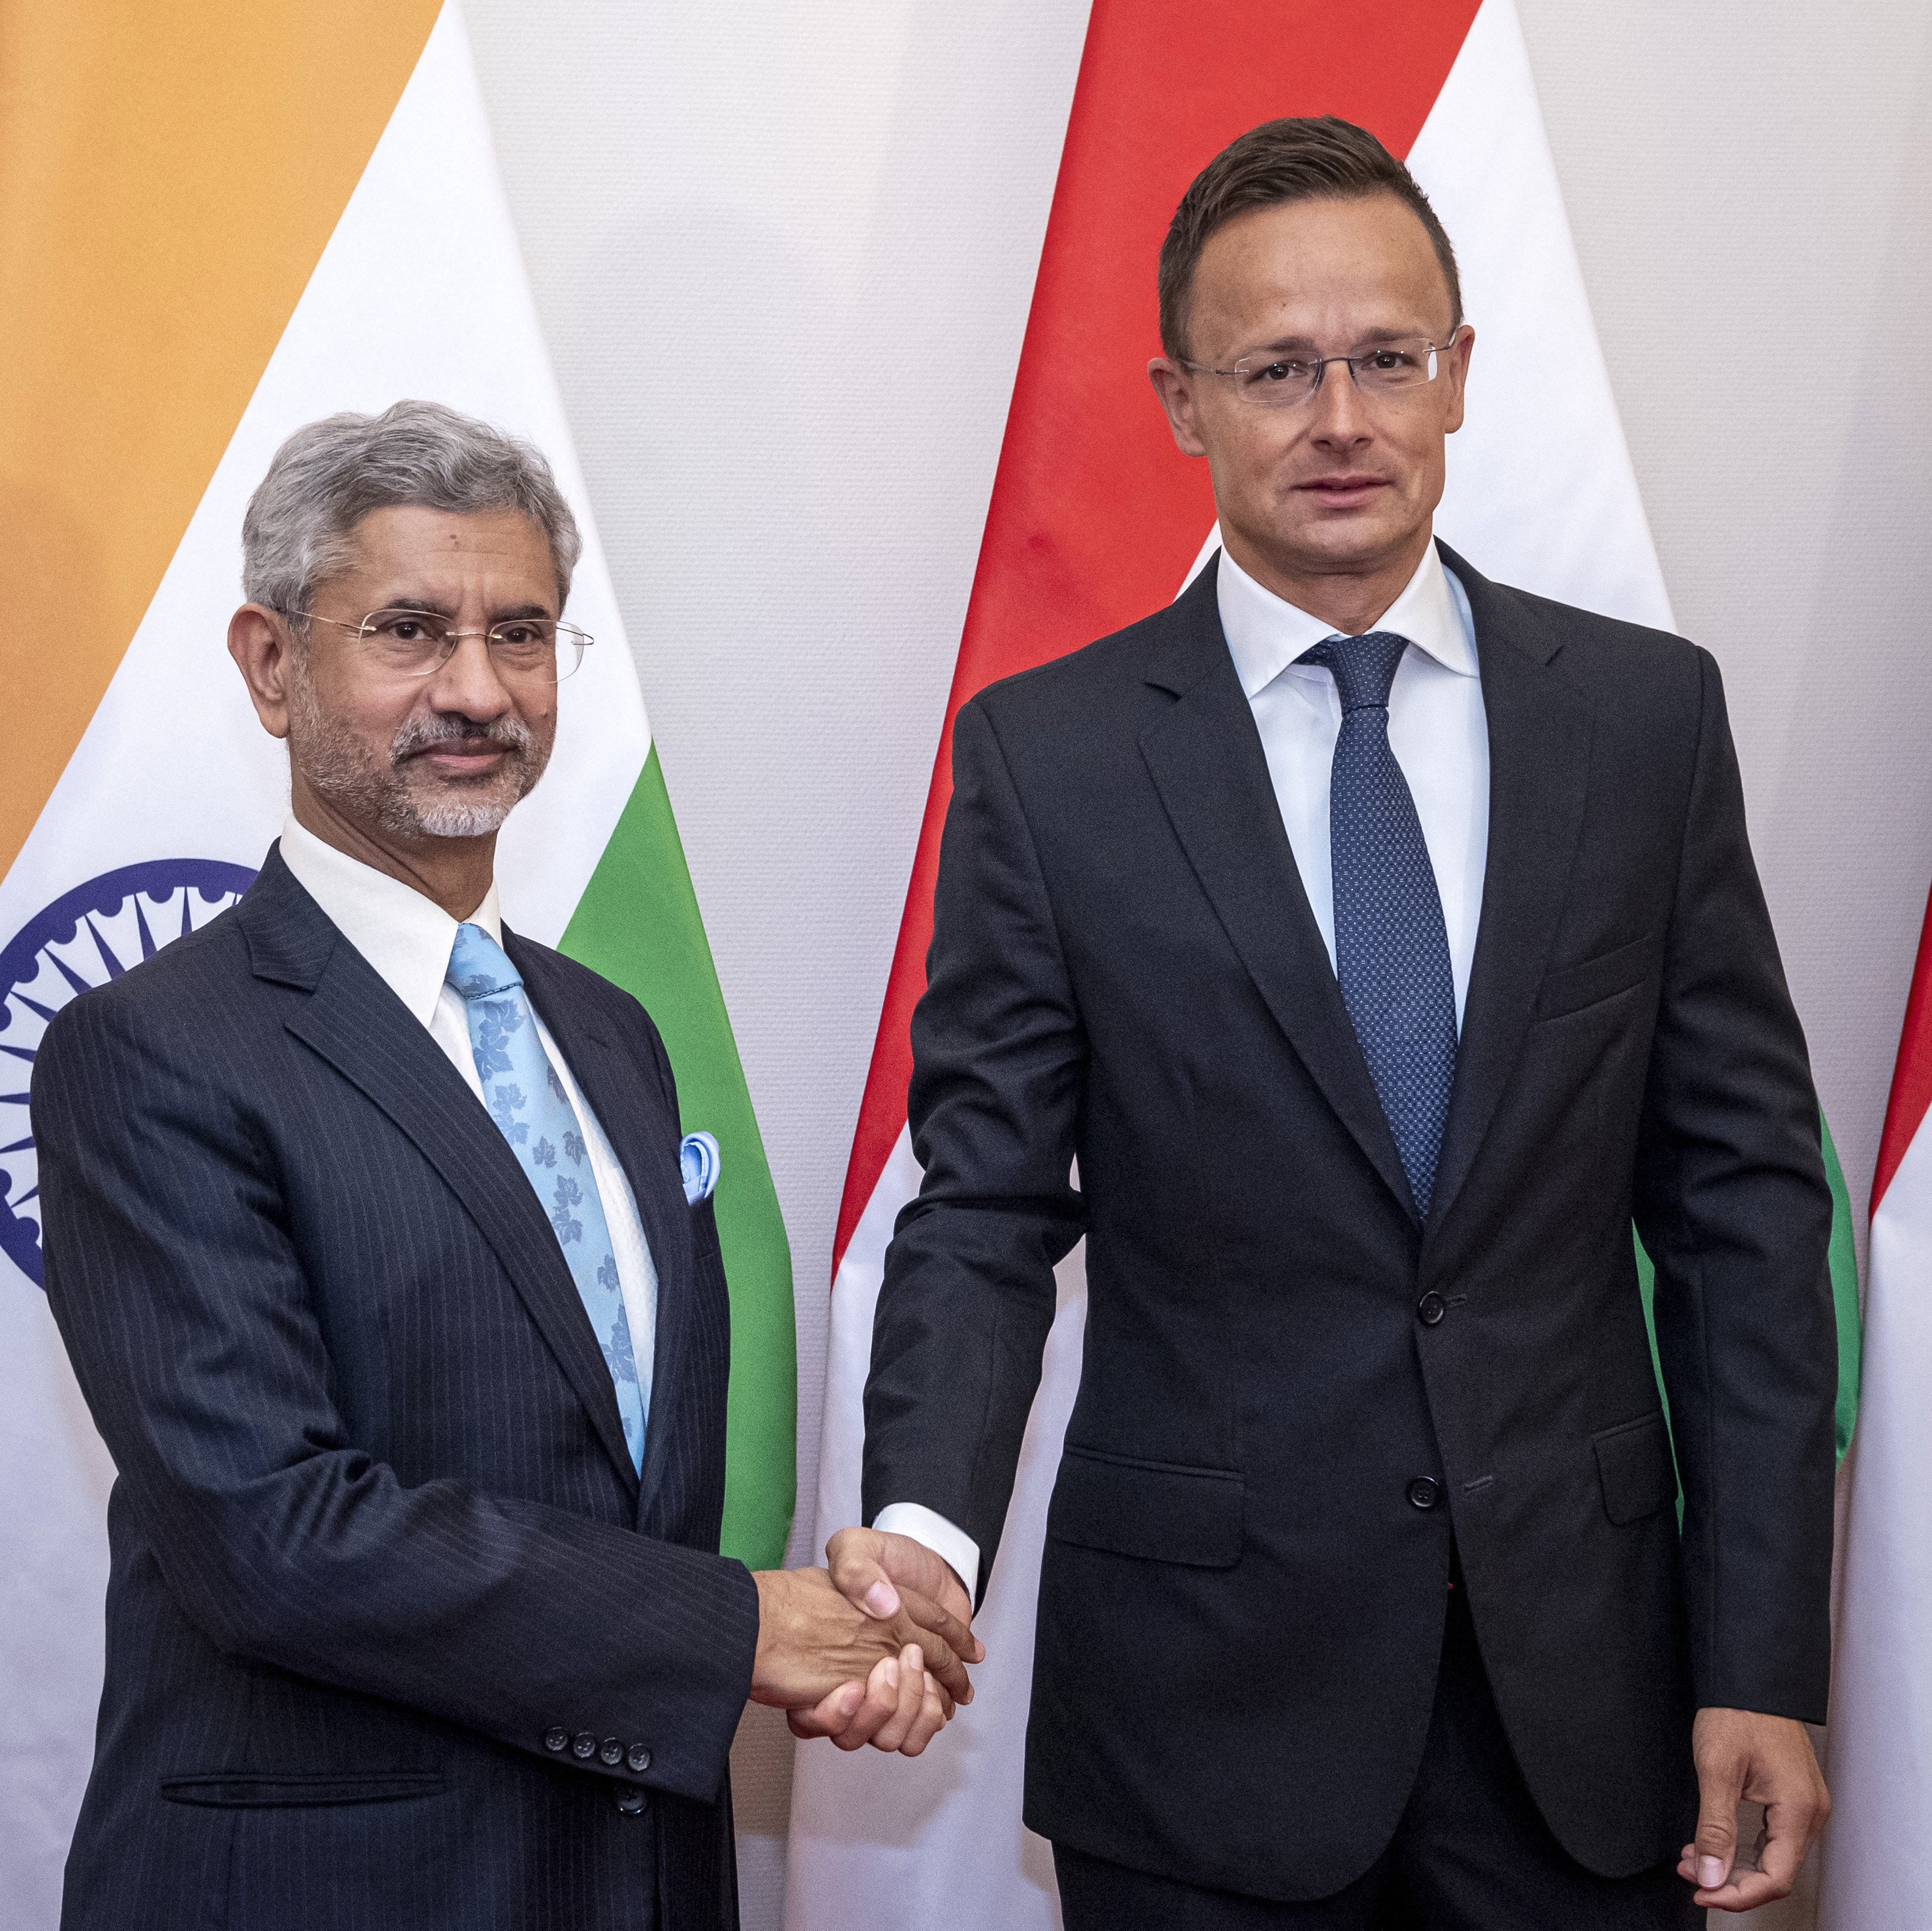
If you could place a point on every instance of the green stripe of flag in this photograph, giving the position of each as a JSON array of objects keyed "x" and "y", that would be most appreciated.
[
  {"x": 638, "y": 924},
  {"x": 1844, "y": 1291},
  {"x": 1843, "y": 1261}
]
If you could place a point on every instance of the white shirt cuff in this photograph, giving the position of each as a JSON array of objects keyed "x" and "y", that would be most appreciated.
[{"x": 952, "y": 1545}]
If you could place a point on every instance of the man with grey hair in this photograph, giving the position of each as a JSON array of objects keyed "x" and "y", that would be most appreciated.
[{"x": 365, "y": 1231}]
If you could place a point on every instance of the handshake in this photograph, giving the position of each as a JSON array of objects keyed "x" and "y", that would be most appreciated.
[{"x": 871, "y": 1649}]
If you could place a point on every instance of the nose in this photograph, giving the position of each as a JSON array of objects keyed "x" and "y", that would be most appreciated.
[
  {"x": 467, "y": 683},
  {"x": 1340, "y": 420}
]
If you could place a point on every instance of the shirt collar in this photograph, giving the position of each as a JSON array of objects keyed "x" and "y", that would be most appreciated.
[
  {"x": 1266, "y": 634},
  {"x": 405, "y": 937}
]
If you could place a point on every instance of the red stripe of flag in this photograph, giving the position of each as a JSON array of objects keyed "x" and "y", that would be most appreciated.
[
  {"x": 1911, "y": 1078},
  {"x": 1095, "y": 516}
]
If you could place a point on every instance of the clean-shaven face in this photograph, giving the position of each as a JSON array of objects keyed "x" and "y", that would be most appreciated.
[
  {"x": 1345, "y": 482},
  {"x": 445, "y": 755}
]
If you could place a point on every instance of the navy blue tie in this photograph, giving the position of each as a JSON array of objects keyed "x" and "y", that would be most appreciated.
[{"x": 1391, "y": 946}]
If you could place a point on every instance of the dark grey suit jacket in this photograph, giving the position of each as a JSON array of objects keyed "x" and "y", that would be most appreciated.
[
  {"x": 379, "y": 1557},
  {"x": 1297, "y": 1398}
]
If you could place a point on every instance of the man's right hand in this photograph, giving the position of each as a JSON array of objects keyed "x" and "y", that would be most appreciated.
[
  {"x": 888, "y": 1577},
  {"x": 869, "y": 1568},
  {"x": 813, "y": 1643}
]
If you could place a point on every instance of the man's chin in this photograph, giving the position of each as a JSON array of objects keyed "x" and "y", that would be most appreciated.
[
  {"x": 452, "y": 810},
  {"x": 1349, "y": 542},
  {"x": 462, "y": 820}
]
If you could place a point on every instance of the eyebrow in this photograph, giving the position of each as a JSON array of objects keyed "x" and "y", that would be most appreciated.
[
  {"x": 1307, "y": 345},
  {"x": 428, "y": 606}
]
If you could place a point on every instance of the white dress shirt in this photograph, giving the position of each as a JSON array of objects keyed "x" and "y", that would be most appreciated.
[
  {"x": 407, "y": 938},
  {"x": 1439, "y": 733},
  {"x": 1437, "y": 730}
]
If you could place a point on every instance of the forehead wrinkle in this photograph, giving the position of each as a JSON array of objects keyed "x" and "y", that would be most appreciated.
[
  {"x": 429, "y": 606},
  {"x": 1365, "y": 338}
]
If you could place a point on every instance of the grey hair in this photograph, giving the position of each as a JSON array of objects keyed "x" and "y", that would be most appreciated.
[{"x": 329, "y": 475}]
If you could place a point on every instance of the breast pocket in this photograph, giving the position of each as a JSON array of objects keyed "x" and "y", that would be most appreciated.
[
  {"x": 704, "y": 1228},
  {"x": 1573, "y": 988}
]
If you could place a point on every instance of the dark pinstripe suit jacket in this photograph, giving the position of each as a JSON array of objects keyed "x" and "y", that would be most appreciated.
[{"x": 380, "y": 1558}]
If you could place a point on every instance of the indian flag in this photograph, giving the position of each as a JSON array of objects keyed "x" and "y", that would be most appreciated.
[
  {"x": 221, "y": 220},
  {"x": 1094, "y": 520},
  {"x": 1875, "y": 1871}
]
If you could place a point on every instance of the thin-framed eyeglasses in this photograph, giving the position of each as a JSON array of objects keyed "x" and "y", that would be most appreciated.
[
  {"x": 1284, "y": 378},
  {"x": 417, "y": 643}
]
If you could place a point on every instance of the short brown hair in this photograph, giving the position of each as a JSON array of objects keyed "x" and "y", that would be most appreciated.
[{"x": 1306, "y": 160}]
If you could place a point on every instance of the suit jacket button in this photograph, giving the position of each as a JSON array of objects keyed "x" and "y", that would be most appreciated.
[
  {"x": 1425, "y": 1491},
  {"x": 630, "y": 1800},
  {"x": 557, "y": 1738},
  {"x": 583, "y": 1747},
  {"x": 611, "y": 1752},
  {"x": 1431, "y": 1309},
  {"x": 638, "y": 1758}
]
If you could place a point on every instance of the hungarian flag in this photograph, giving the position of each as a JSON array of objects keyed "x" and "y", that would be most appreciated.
[
  {"x": 1094, "y": 520},
  {"x": 1880, "y": 1756},
  {"x": 220, "y": 221}
]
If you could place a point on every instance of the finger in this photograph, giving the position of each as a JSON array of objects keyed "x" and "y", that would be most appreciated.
[
  {"x": 830, "y": 1716},
  {"x": 1745, "y": 1892},
  {"x": 931, "y": 1720},
  {"x": 946, "y": 1641},
  {"x": 881, "y": 1706},
  {"x": 1720, "y": 1777},
  {"x": 934, "y": 1619},
  {"x": 895, "y": 1730},
  {"x": 1788, "y": 1829},
  {"x": 852, "y": 1557}
]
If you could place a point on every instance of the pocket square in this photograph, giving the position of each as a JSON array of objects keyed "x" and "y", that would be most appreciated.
[{"x": 698, "y": 1161}]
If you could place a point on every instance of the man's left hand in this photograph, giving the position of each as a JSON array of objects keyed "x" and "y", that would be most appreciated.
[
  {"x": 899, "y": 1707},
  {"x": 1739, "y": 1754}
]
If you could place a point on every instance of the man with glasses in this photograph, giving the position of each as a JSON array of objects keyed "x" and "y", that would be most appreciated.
[
  {"x": 365, "y": 1230},
  {"x": 1350, "y": 951}
]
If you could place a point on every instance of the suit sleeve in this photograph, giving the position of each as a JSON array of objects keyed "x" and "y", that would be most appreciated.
[
  {"x": 998, "y": 1060},
  {"x": 1733, "y": 1208},
  {"x": 180, "y": 1296}
]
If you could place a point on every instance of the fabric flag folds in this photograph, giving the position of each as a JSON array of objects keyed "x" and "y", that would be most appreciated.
[
  {"x": 1094, "y": 519},
  {"x": 1880, "y": 1754},
  {"x": 221, "y": 221}
]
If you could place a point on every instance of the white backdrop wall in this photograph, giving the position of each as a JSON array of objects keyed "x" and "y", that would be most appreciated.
[{"x": 783, "y": 253}]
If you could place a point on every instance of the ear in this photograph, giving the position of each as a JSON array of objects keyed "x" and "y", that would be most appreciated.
[
  {"x": 1457, "y": 373},
  {"x": 260, "y": 643},
  {"x": 1171, "y": 384}
]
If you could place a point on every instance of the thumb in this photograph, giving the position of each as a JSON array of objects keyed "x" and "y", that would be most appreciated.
[
  {"x": 1719, "y": 1786},
  {"x": 852, "y": 1558}
]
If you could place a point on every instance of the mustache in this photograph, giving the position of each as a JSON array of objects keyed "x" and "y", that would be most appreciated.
[{"x": 421, "y": 734}]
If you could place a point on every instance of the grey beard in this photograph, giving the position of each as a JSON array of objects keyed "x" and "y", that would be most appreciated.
[
  {"x": 339, "y": 767},
  {"x": 445, "y": 818}
]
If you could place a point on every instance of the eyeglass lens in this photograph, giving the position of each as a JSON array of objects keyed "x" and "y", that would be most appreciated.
[
  {"x": 1386, "y": 369},
  {"x": 413, "y": 643}
]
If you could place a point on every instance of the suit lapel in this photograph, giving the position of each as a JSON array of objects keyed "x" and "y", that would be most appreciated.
[
  {"x": 1540, "y": 729},
  {"x": 644, "y": 1137},
  {"x": 1206, "y": 759},
  {"x": 357, "y": 1024}
]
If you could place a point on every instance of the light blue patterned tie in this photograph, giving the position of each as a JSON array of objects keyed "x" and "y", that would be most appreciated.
[
  {"x": 527, "y": 1101},
  {"x": 1391, "y": 945}
]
